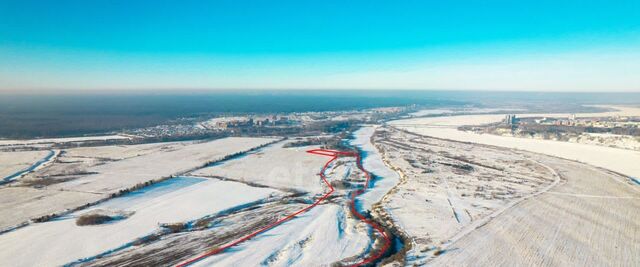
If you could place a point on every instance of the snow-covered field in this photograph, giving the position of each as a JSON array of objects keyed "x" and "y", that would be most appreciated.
[
  {"x": 587, "y": 217},
  {"x": 124, "y": 151},
  {"x": 273, "y": 166},
  {"x": 61, "y": 241},
  {"x": 320, "y": 237},
  {"x": 101, "y": 177},
  {"x": 13, "y": 162},
  {"x": 620, "y": 160},
  {"x": 19, "y": 204},
  {"x": 50, "y": 141},
  {"x": 130, "y": 171},
  {"x": 446, "y": 186},
  {"x": 590, "y": 219},
  {"x": 325, "y": 234}
]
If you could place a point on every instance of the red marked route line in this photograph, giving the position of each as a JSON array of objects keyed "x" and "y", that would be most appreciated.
[
  {"x": 387, "y": 240},
  {"x": 334, "y": 154}
]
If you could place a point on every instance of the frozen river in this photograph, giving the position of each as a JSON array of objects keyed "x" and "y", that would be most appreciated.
[
  {"x": 615, "y": 159},
  {"x": 384, "y": 178}
]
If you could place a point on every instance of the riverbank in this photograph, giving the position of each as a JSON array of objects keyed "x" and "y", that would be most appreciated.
[
  {"x": 538, "y": 227},
  {"x": 619, "y": 160}
]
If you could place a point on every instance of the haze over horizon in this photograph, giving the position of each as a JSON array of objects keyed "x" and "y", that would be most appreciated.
[{"x": 575, "y": 46}]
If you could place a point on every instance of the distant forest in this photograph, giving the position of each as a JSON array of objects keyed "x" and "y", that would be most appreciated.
[{"x": 31, "y": 116}]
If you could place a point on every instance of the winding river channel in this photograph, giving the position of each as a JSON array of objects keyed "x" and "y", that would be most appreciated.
[{"x": 383, "y": 178}]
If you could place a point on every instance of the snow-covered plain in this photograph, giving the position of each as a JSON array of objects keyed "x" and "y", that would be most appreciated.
[
  {"x": 124, "y": 151},
  {"x": 448, "y": 187},
  {"x": 273, "y": 166},
  {"x": 61, "y": 241},
  {"x": 590, "y": 219},
  {"x": 131, "y": 171},
  {"x": 575, "y": 221},
  {"x": 619, "y": 160},
  {"x": 103, "y": 177},
  {"x": 13, "y": 162},
  {"x": 322, "y": 236},
  {"x": 325, "y": 234},
  {"x": 51, "y": 141}
]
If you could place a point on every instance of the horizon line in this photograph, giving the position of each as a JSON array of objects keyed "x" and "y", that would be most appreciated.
[{"x": 212, "y": 90}]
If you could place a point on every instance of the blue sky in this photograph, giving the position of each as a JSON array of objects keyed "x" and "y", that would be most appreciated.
[{"x": 493, "y": 45}]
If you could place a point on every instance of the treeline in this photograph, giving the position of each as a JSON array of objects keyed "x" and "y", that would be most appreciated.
[{"x": 560, "y": 129}]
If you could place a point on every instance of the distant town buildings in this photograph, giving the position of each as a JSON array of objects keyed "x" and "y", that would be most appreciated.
[
  {"x": 511, "y": 119},
  {"x": 572, "y": 120},
  {"x": 268, "y": 122}
]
